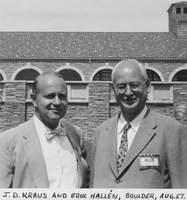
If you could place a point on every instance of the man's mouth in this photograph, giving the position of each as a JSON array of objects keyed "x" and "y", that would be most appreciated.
[
  {"x": 129, "y": 100},
  {"x": 57, "y": 110}
]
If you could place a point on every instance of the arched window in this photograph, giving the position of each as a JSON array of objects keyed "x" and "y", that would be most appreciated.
[
  {"x": 27, "y": 74},
  {"x": 180, "y": 76},
  {"x": 70, "y": 75},
  {"x": 1, "y": 77},
  {"x": 152, "y": 75},
  {"x": 103, "y": 75}
]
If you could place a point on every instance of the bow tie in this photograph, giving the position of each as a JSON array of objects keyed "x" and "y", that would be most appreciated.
[{"x": 51, "y": 133}]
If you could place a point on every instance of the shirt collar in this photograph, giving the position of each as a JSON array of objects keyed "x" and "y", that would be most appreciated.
[
  {"x": 135, "y": 124},
  {"x": 40, "y": 126}
]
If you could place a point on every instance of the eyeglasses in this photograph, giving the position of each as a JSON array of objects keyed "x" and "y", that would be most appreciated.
[{"x": 134, "y": 86}]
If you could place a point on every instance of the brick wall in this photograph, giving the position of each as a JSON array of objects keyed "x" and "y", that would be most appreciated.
[
  {"x": 173, "y": 25},
  {"x": 12, "y": 111},
  {"x": 182, "y": 29},
  {"x": 180, "y": 103}
]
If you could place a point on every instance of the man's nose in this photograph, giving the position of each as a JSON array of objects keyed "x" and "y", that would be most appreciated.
[
  {"x": 56, "y": 100},
  {"x": 128, "y": 90}
]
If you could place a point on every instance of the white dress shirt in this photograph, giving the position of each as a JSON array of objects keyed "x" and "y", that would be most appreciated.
[
  {"x": 135, "y": 124},
  {"x": 61, "y": 163}
]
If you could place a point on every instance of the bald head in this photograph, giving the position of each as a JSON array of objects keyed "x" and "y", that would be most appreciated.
[
  {"x": 41, "y": 77},
  {"x": 129, "y": 65}
]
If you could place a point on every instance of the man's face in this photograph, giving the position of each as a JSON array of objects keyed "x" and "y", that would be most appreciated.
[
  {"x": 130, "y": 88},
  {"x": 51, "y": 100}
]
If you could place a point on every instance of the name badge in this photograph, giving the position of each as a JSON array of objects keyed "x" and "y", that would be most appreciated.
[{"x": 149, "y": 161}]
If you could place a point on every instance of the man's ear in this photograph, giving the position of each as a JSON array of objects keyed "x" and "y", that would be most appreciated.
[
  {"x": 33, "y": 97},
  {"x": 114, "y": 92},
  {"x": 148, "y": 83}
]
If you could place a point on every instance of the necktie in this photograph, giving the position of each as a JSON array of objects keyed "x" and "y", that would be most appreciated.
[
  {"x": 51, "y": 133},
  {"x": 123, "y": 146}
]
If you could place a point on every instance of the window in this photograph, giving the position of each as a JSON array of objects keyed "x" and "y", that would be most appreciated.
[
  {"x": 161, "y": 92},
  {"x": 70, "y": 75},
  {"x": 27, "y": 74},
  {"x": 181, "y": 76},
  {"x": 77, "y": 92},
  {"x": 178, "y": 10},
  {"x": 103, "y": 75},
  {"x": 185, "y": 10},
  {"x": 153, "y": 76}
]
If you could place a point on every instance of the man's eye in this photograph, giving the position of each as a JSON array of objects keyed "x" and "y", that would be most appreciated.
[
  {"x": 121, "y": 87},
  {"x": 50, "y": 96},
  {"x": 62, "y": 96},
  {"x": 134, "y": 85}
]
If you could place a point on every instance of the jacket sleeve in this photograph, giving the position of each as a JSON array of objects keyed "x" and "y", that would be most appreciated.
[
  {"x": 84, "y": 155},
  {"x": 94, "y": 144},
  {"x": 6, "y": 163},
  {"x": 177, "y": 156}
]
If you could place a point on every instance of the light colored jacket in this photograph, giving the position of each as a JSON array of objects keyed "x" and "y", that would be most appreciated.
[
  {"x": 162, "y": 137},
  {"x": 22, "y": 163}
]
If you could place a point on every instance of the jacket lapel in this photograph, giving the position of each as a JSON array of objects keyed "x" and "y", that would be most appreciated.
[
  {"x": 35, "y": 157},
  {"x": 75, "y": 143},
  {"x": 111, "y": 143},
  {"x": 143, "y": 136},
  {"x": 73, "y": 138}
]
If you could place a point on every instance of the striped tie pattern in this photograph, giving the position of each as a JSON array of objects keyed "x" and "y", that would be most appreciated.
[{"x": 123, "y": 146}]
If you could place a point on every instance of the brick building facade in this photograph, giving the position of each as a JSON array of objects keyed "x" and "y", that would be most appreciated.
[{"x": 86, "y": 60}]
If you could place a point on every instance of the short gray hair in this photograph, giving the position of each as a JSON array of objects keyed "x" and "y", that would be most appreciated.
[{"x": 142, "y": 68}]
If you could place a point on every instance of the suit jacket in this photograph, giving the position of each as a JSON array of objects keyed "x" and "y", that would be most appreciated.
[
  {"x": 22, "y": 163},
  {"x": 159, "y": 137}
]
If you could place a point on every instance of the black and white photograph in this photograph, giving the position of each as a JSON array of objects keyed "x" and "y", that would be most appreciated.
[{"x": 93, "y": 99}]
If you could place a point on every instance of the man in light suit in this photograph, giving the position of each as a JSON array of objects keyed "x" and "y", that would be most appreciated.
[
  {"x": 151, "y": 152},
  {"x": 45, "y": 151}
]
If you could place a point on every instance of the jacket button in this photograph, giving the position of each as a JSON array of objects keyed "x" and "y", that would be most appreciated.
[{"x": 118, "y": 181}]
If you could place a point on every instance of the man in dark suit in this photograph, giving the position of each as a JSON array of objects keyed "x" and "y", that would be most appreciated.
[
  {"x": 139, "y": 148},
  {"x": 45, "y": 151}
]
